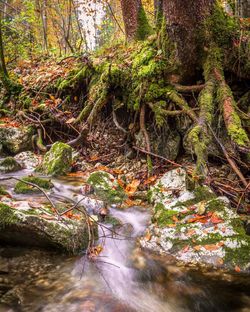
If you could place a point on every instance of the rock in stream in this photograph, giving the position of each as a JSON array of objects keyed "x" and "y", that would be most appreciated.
[{"x": 196, "y": 227}]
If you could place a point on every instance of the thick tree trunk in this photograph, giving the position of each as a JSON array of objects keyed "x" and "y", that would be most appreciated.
[
  {"x": 184, "y": 19},
  {"x": 135, "y": 20}
]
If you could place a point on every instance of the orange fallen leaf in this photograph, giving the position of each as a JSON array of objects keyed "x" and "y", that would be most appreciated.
[
  {"x": 185, "y": 249},
  {"x": 150, "y": 180},
  {"x": 121, "y": 183},
  {"x": 171, "y": 225},
  {"x": 148, "y": 236},
  {"x": 117, "y": 171},
  {"x": 237, "y": 269},
  {"x": 190, "y": 232},
  {"x": 132, "y": 187},
  {"x": 211, "y": 247},
  {"x": 130, "y": 202},
  {"x": 197, "y": 218},
  {"x": 175, "y": 219},
  {"x": 198, "y": 247},
  {"x": 215, "y": 219}
]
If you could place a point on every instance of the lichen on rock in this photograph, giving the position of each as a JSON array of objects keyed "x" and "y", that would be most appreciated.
[
  {"x": 196, "y": 227},
  {"x": 58, "y": 160},
  {"x": 106, "y": 187}
]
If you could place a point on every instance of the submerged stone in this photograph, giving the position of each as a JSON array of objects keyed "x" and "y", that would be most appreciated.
[
  {"x": 58, "y": 160},
  {"x": 25, "y": 188},
  {"x": 24, "y": 226},
  {"x": 106, "y": 187},
  {"x": 9, "y": 164},
  {"x": 196, "y": 227},
  {"x": 15, "y": 140}
]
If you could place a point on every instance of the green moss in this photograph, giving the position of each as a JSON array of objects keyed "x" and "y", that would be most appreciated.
[
  {"x": 9, "y": 164},
  {"x": 163, "y": 216},
  {"x": 144, "y": 29},
  {"x": 58, "y": 160},
  {"x": 3, "y": 191},
  {"x": 106, "y": 187},
  {"x": 113, "y": 221},
  {"x": 23, "y": 188},
  {"x": 222, "y": 27},
  {"x": 7, "y": 215}
]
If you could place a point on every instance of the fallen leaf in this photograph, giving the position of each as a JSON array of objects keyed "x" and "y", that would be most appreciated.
[
  {"x": 237, "y": 269},
  {"x": 175, "y": 219},
  {"x": 211, "y": 247},
  {"x": 185, "y": 249},
  {"x": 148, "y": 236},
  {"x": 132, "y": 187},
  {"x": 215, "y": 219},
  {"x": 197, "y": 248},
  {"x": 171, "y": 225},
  {"x": 201, "y": 209},
  {"x": 150, "y": 180}
]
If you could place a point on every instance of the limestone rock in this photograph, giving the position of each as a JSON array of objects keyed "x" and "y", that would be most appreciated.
[
  {"x": 216, "y": 237},
  {"x": 22, "y": 225},
  {"x": 15, "y": 140},
  {"x": 28, "y": 159},
  {"x": 58, "y": 160}
]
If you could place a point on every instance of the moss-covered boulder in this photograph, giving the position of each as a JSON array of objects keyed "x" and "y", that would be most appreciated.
[
  {"x": 26, "y": 188},
  {"x": 196, "y": 227},
  {"x": 106, "y": 187},
  {"x": 58, "y": 160},
  {"x": 15, "y": 140},
  {"x": 24, "y": 226},
  {"x": 9, "y": 164}
]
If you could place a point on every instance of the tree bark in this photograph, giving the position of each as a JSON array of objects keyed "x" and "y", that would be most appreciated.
[
  {"x": 184, "y": 20},
  {"x": 135, "y": 20}
]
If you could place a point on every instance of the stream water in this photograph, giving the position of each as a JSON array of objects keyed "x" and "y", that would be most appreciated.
[{"x": 122, "y": 279}]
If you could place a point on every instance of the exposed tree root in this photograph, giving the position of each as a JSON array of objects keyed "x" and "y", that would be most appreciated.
[{"x": 231, "y": 118}]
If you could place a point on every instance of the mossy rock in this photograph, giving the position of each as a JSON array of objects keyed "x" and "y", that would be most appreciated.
[
  {"x": 106, "y": 187},
  {"x": 196, "y": 227},
  {"x": 15, "y": 140},
  {"x": 9, "y": 164},
  {"x": 24, "y": 188},
  {"x": 23, "y": 227},
  {"x": 58, "y": 160}
]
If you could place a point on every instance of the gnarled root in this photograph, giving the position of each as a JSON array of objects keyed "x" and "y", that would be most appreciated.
[{"x": 232, "y": 120}]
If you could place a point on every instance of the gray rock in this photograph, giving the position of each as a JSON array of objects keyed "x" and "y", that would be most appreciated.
[
  {"x": 26, "y": 226},
  {"x": 28, "y": 159},
  {"x": 216, "y": 237},
  {"x": 15, "y": 140}
]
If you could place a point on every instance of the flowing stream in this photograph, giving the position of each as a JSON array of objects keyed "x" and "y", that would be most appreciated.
[{"x": 122, "y": 279}]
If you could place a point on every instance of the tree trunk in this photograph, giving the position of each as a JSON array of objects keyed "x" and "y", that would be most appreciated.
[
  {"x": 3, "y": 70},
  {"x": 135, "y": 20},
  {"x": 184, "y": 20}
]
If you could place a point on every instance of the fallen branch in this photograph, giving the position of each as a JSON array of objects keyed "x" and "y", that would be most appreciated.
[{"x": 35, "y": 186}]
